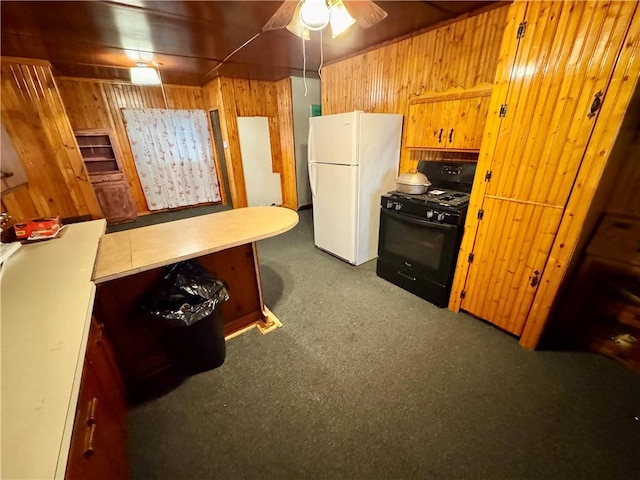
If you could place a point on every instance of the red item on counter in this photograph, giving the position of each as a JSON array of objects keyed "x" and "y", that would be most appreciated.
[{"x": 37, "y": 228}]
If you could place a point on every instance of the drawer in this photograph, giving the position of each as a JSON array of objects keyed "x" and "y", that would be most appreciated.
[{"x": 98, "y": 442}]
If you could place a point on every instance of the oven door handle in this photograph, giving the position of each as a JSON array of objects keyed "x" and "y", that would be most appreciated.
[{"x": 418, "y": 221}]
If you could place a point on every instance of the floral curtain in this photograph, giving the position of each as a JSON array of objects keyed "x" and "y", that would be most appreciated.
[{"x": 172, "y": 152}]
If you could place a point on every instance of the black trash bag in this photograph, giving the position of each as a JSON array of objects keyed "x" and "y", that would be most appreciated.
[
  {"x": 186, "y": 294},
  {"x": 187, "y": 302}
]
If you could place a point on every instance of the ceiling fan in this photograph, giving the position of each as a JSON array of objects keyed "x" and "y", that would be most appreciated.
[{"x": 301, "y": 16}]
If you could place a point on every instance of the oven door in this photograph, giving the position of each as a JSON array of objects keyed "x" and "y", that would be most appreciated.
[{"x": 424, "y": 248}]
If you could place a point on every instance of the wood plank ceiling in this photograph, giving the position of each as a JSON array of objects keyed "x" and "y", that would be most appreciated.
[{"x": 190, "y": 39}]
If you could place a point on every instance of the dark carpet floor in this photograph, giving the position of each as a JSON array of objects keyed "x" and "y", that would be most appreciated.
[{"x": 367, "y": 381}]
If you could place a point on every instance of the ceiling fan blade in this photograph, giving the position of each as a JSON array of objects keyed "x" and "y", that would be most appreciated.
[
  {"x": 366, "y": 13},
  {"x": 282, "y": 17}
]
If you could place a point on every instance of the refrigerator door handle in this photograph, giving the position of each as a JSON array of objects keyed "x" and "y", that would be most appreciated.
[
  {"x": 311, "y": 161},
  {"x": 312, "y": 179}
]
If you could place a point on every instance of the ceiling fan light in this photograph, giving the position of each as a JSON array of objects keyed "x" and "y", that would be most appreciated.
[
  {"x": 296, "y": 26},
  {"x": 315, "y": 14},
  {"x": 340, "y": 18},
  {"x": 144, "y": 76}
]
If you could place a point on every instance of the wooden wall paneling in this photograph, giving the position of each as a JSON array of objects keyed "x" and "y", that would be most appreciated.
[
  {"x": 287, "y": 145},
  {"x": 95, "y": 104},
  {"x": 566, "y": 55},
  {"x": 458, "y": 55},
  {"x": 34, "y": 116},
  {"x": 507, "y": 55},
  {"x": 548, "y": 139},
  {"x": 229, "y": 103},
  {"x": 252, "y": 98},
  {"x": 212, "y": 98},
  {"x": 623, "y": 84}
]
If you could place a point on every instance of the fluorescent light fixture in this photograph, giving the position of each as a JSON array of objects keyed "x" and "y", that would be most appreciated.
[
  {"x": 340, "y": 18},
  {"x": 144, "y": 75},
  {"x": 296, "y": 26},
  {"x": 315, "y": 14}
]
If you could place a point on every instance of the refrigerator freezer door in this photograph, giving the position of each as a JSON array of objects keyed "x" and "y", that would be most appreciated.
[
  {"x": 334, "y": 188},
  {"x": 333, "y": 139}
]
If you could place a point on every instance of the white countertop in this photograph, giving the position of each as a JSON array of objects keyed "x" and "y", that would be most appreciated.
[
  {"x": 46, "y": 303},
  {"x": 132, "y": 251}
]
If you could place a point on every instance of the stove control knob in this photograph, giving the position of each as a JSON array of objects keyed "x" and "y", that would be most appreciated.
[
  {"x": 430, "y": 214},
  {"x": 440, "y": 217},
  {"x": 389, "y": 204},
  {"x": 398, "y": 206}
]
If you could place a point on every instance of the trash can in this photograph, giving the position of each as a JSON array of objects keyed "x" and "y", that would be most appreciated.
[{"x": 184, "y": 307}]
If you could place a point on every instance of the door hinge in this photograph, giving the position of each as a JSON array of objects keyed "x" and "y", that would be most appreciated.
[
  {"x": 480, "y": 214},
  {"x": 487, "y": 176},
  {"x": 470, "y": 257},
  {"x": 503, "y": 110},
  {"x": 463, "y": 294},
  {"x": 522, "y": 28}
]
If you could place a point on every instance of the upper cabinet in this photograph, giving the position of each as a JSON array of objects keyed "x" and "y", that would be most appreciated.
[
  {"x": 106, "y": 175},
  {"x": 12, "y": 173},
  {"x": 448, "y": 121}
]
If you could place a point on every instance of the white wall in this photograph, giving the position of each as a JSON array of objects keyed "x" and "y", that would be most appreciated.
[
  {"x": 301, "y": 114},
  {"x": 261, "y": 184}
]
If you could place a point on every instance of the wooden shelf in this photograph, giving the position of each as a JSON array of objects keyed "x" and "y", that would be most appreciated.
[{"x": 99, "y": 159}]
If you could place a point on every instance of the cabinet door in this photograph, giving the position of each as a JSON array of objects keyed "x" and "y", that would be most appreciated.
[
  {"x": 426, "y": 126},
  {"x": 115, "y": 200},
  {"x": 12, "y": 173},
  {"x": 466, "y": 120},
  {"x": 512, "y": 246},
  {"x": 101, "y": 357},
  {"x": 98, "y": 444},
  {"x": 566, "y": 56}
]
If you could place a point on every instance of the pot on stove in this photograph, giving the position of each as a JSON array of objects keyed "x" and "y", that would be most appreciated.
[{"x": 412, "y": 182}]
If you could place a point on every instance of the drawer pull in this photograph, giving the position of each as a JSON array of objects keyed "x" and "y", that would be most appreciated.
[
  {"x": 88, "y": 441},
  {"x": 91, "y": 411},
  {"x": 407, "y": 276}
]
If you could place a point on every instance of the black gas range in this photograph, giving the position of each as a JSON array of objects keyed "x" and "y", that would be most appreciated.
[
  {"x": 438, "y": 204},
  {"x": 420, "y": 235}
]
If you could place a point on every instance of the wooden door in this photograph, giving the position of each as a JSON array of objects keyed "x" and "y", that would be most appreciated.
[
  {"x": 115, "y": 199},
  {"x": 512, "y": 246},
  {"x": 533, "y": 148}
]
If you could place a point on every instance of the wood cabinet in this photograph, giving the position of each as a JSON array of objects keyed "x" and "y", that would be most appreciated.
[
  {"x": 449, "y": 121},
  {"x": 12, "y": 174},
  {"x": 603, "y": 309},
  {"x": 98, "y": 444},
  {"x": 556, "y": 69},
  {"x": 107, "y": 178}
]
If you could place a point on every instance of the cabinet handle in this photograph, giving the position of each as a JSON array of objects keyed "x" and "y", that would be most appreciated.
[
  {"x": 440, "y": 136},
  {"x": 88, "y": 441},
  {"x": 91, "y": 411},
  {"x": 595, "y": 105},
  {"x": 451, "y": 136},
  {"x": 536, "y": 278},
  {"x": 100, "y": 333},
  {"x": 4, "y": 174}
]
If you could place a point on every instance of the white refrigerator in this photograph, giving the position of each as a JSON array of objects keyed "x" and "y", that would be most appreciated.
[{"x": 353, "y": 159}]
